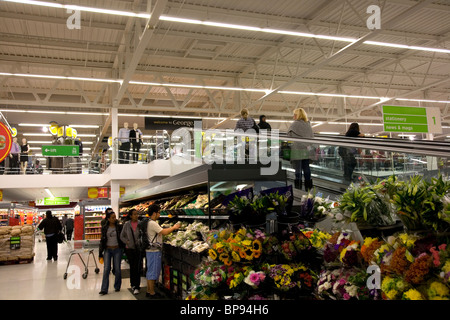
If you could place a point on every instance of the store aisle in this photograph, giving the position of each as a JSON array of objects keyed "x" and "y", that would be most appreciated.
[{"x": 42, "y": 279}]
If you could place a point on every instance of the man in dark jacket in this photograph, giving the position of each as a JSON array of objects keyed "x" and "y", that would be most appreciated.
[
  {"x": 69, "y": 227},
  {"x": 51, "y": 227},
  {"x": 263, "y": 124}
]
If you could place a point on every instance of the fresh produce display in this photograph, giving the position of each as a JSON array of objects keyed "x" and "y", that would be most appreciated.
[
  {"x": 200, "y": 202},
  {"x": 188, "y": 236}
]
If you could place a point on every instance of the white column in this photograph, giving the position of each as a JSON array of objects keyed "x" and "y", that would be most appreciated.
[
  {"x": 115, "y": 195},
  {"x": 115, "y": 131}
]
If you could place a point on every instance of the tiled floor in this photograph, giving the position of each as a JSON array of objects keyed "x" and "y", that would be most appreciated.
[{"x": 42, "y": 279}]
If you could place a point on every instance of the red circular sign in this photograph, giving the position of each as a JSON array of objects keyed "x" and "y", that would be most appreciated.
[{"x": 5, "y": 141}]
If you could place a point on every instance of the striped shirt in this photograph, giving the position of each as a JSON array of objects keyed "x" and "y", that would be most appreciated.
[
  {"x": 245, "y": 124},
  {"x": 15, "y": 148}
]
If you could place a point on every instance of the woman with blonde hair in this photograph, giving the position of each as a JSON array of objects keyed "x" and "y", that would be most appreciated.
[{"x": 301, "y": 128}]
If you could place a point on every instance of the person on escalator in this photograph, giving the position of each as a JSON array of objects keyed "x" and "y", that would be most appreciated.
[
  {"x": 348, "y": 154},
  {"x": 300, "y": 151}
]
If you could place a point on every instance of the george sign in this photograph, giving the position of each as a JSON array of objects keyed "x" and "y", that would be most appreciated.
[
  {"x": 61, "y": 151},
  {"x": 56, "y": 201},
  {"x": 14, "y": 243},
  {"x": 5, "y": 141},
  {"x": 169, "y": 123},
  {"x": 1, "y": 195},
  {"x": 412, "y": 119}
]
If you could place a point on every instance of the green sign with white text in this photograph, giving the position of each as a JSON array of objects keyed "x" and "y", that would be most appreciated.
[
  {"x": 411, "y": 119},
  {"x": 61, "y": 151},
  {"x": 56, "y": 201}
]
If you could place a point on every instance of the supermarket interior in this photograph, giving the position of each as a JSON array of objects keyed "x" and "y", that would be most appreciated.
[{"x": 293, "y": 150}]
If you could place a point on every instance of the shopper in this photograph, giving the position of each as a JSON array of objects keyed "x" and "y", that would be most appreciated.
[
  {"x": 263, "y": 124},
  {"x": 348, "y": 154},
  {"x": 124, "y": 144},
  {"x": 14, "y": 157},
  {"x": 301, "y": 128},
  {"x": 111, "y": 249},
  {"x": 24, "y": 150},
  {"x": 155, "y": 233},
  {"x": 136, "y": 139},
  {"x": 246, "y": 122},
  {"x": 69, "y": 224},
  {"x": 130, "y": 236},
  {"x": 51, "y": 227}
]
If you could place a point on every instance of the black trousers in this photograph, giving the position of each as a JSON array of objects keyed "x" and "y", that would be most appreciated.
[
  {"x": 69, "y": 234},
  {"x": 349, "y": 166},
  {"x": 14, "y": 164},
  {"x": 135, "y": 261},
  {"x": 52, "y": 247},
  {"x": 124, "y": 152},
  {"x": 136, "y": 148}
]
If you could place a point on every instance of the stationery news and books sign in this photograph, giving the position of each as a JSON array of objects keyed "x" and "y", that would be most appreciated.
[
  {"x": 412, "y": 119},
  {"x": 55, "y": 201}
]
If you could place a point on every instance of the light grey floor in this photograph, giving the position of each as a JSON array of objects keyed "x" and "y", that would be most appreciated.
[{"x": 42, "y": 279}]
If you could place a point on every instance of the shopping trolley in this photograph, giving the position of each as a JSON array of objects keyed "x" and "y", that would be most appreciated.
[{"x": 78, "y": 247}]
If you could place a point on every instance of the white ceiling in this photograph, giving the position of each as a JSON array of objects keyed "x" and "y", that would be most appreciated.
[{"x": 36, "y": 40}]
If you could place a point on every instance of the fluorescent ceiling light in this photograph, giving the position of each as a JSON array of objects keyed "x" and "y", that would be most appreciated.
[
  {"x": 47, "y": 125},
  {"x": 334, "y": 133},
  {"x": 423, "y": 100},
  {"x": 29, "y": 75},
  {"x": 404, "y": 46},
  {"x": 86, "y": 135},
  {"x": 40, "y": 142},
  {"x": 180, "y": 85},
  {"x": 83, "y": 126},
  {"x": 37, "y": 134}
]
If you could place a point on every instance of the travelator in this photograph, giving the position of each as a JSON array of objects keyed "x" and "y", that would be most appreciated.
[{"x": 376, "y": 158}]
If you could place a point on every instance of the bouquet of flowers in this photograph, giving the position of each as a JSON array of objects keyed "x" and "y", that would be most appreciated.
[
  {"x": 210, "y": 274},
  {"x": 344, "y": 284},
  {"x": 254, "y": 278},
  {"x": 341, "y": 249},
  {"x": 314, "y": 208},
  {"x": 294, "y": 245},
  {"x": 241, "y": 246},
  {"x": 317, "y": 238},
  {"x": 421, "y": 204},
  {"x": 393, "y": 287},
  {"x": 368, "y": 249},
  {"x": 290, "y": 276},
  {"x": 364, "y": 205},
  {"x": 438, "y": 291}
]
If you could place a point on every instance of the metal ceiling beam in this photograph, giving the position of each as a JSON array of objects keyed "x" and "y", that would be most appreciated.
[{"x": 144, "y": 39}]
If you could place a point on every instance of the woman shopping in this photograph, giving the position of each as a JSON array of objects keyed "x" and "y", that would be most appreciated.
[
  {"x": 111, "y": 249},
  {"x": 301, "y": 128},
  {"x": 348, "y": 154},
  {"x": 130, "y": 236}
]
